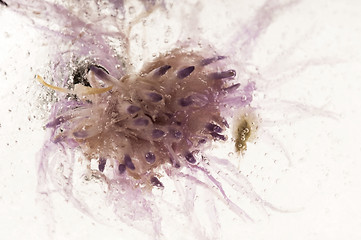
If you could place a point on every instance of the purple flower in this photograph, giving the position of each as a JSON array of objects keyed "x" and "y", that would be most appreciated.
[{"x": 150, "y": 125}]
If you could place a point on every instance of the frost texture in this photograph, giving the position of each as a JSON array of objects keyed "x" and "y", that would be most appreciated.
[{"x": 156, "y": 129}]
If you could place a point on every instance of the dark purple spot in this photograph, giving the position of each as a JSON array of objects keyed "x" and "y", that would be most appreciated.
[
  {"x": 3, "y": 3},
  {"x": 101, "y": 165},
  {"x": 202, "y": 141},
  {"x": 232, "y": 88},
  {"x": 133, "y": 109},
  {"x": 213, "y": 127},
  {"x": 121, "y": 168},
  {"x": 190, "y": 158},
  {"x": 99, "y": 71},
  {"x": 185, "y": 72},
  {"x": 221, "y": 75},
  {"x": 157, "y": 133},
  {"x": 141, "y": 122},
  {"x": 162, "y": 70},
  {"x": 175, "y": 133},
  {"x": 80, "y": 134},
  {"x": 128, "y": 162},
  {"x": 150, "y": 157},
  {"x": 207, "y": 61},
  {"x": 155, "y": 181},
  {"x": 155, "y": 97},
  {"x": 218, "y": 136},
  {"x": 184, "y": 102}
]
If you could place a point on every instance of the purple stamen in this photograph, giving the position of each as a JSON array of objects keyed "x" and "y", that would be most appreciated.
[
  {"x": 232, "y": 88},
  {"x": 184, "y": 102},
  {"x": 141, "y": 122},
  {"x": 101, "y": 165},
  {"x": 190, "y": 158},
  {"x": 162, "y": 70},
  {"x": 157, "y": 133},
  {"x": 207, "y": 61},
  {"x": 121, "y": 168},
  {"x": 185, "y": 72},
  {"x": 213, "y": 127},
  {"x": 155, "y": 97},
  {"x": 150, "y": 157},
  {"x": 128, "y": 162},
  {"x": 218, "y": 136},
  {"x": 155, "y": 181},
  {"x": 221, "y": 75},
  {"x": 133, "y": 109}
]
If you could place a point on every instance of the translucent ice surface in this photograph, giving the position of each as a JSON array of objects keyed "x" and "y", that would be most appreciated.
[{"x": 180, "y": 119}]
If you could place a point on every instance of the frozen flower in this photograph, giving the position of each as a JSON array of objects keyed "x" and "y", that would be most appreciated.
[{"x": 151, "y": 101}]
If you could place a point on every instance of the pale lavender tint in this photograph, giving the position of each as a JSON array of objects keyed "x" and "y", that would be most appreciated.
[{"x": 152, "y": 128}]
